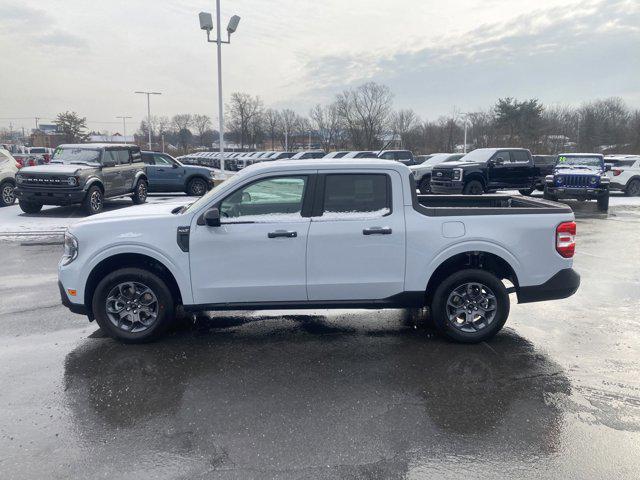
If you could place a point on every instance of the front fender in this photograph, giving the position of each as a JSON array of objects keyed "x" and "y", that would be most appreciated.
[
  {"x": 140, "y": 175},
  {"x": 91, "y": 181},
  {"x": 179, "y": 273}
]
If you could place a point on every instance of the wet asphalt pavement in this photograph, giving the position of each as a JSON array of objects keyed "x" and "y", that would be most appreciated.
[{"x": 329, "y": 394}]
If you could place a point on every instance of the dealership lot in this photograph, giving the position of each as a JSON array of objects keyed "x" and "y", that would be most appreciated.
[{"x": 339, "y": 394}]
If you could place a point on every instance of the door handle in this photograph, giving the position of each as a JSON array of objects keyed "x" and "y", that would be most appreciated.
[
  {"x": 161, "y": 169},
  {"x": 377, "y": 231},
  {"x": 282, "y": 233}
]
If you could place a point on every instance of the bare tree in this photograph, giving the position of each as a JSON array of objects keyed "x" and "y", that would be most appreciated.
[
  {"x": 365, "y": 112},
  {"x": 272, "y": 124},
  {"x": 181, "y": 123},
  {"x": 243, "y": 110},
  {"x": 201, "y": 123},
  {"x": 288, "y": 121},
  {"x": 326, "y": 121},
  {"x": 403, "y": 122}
]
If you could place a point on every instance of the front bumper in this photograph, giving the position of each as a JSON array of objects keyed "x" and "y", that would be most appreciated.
[
  {"x": 577, "y": 192},
  {"x": 50, "y": 196},
  {"x": 562, "y": 285},
  {"x": 446, "y": 187},
  {"x": 74, "y": 307}
]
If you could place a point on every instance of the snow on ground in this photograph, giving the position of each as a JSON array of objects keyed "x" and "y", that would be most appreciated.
[{"x": 52, "y": 221}]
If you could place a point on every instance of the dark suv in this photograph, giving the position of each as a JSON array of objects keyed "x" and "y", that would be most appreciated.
[
  {"x": 83, "y": 173},
  {"x": 402, "y": 156}
]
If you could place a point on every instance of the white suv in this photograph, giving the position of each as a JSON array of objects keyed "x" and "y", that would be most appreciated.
[
  {"x": 624, "y": 173},
  {"x": 8, "y": 169}
]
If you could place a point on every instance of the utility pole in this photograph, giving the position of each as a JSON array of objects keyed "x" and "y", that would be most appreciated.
[
  {"x": 148, "y": 94},
  {"x": 206, "y": 23},
  {"x": 37, "y": 120},
  {"x": 124, "y": 126}
]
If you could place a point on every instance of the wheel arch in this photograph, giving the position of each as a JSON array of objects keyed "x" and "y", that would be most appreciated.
[
  {"x": 94, "y": 181},
  {"x": 138, "y": 176},
  {"x": 122, "y": 260},
  {"x": 194, "y": 176},
  {"x": 479, "y": 259},
  {"x": 475, "y": 176},
  {"x": 8, "y": 180}
]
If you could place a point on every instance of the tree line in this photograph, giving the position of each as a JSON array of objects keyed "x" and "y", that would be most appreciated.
[{"x": 363, "y": 118}]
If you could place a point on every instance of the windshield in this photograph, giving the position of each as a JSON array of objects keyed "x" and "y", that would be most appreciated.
[
  {"x": 579, "y": 161},
  {"x": 207, "y": 197},
  {"x": 76, "y": 155},
  {"x": 479, "y": 155}
]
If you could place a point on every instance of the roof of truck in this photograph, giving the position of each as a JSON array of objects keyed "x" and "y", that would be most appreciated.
[{"x": 333, "y": 163}]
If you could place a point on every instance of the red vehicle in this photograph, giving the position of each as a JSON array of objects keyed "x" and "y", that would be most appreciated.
[
  {"x": 43, "y": 152},
  {"x": 28, "y": 160}
]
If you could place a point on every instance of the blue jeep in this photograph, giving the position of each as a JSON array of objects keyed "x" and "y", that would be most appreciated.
[
  {"x": 580, "y": 176},
  {"x": 166, "y": 174}
]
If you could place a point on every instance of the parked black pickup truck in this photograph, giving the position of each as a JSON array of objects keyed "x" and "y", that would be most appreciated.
[{"x": 490, "y": 169}]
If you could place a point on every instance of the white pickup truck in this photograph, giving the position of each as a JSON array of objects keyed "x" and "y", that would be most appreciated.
[{"x": 320, "y": 234}]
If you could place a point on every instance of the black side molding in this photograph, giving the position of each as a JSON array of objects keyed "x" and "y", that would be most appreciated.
[
  {"x": 183, "y": 238},
  {"x": 562, "y": 285}
]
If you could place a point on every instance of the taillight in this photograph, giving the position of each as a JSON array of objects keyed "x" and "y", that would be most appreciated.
[
  {"x": 566, "y": 239},
  {"x": 616, "y": 172}
]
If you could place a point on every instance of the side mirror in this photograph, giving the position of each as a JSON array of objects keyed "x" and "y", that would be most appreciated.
[
  {"x": 246, "y": 197},
  {"x": 607, "y": 167},
  {"x": 174, "y": 165},
  {"x": 499, "y": 161},
  {"x": 491, "y": 162},
  {"x": 212, "y": 217}
]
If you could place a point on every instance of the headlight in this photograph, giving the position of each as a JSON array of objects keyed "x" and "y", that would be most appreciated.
[
  {"x": 19, "y": 178},
  {"x": 559, "y": 180},
  {"x": 70, "y": 249},
  {"x": 593, "y": 180},
  {"x": 605, "y": 179},
  {"x": 457, "y": 174},
  {"x": 212, "y": 174},
  {"x": 73, "y": 181},
  {"x": 548, "y": 179}
]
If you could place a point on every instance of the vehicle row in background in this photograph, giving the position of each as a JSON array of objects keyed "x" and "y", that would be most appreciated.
[{"x": 624, "y": 173}]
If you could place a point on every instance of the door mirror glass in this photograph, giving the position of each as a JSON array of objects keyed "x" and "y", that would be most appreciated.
[
  {"x": 174, "y": 165},
  {"x": 499, "y": 161},
  {"x": 212, "y": 217}
]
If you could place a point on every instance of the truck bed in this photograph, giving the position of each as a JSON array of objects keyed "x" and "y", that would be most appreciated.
[{"x": 446, "y": 205}]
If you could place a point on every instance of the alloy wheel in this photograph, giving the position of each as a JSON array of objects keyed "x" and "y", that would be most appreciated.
[
  {"x": 8, "y": 195},
  {"x": 96, "y": 201},
  {"x": 132, "y": 307},
  {"x": 471, "y": 307}
]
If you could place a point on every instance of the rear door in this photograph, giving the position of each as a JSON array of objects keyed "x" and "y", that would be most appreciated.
[
  {"x": 127, "y": 170},
  {"x": 356, "y": 246},
  {"x": 522, "y": 170}
]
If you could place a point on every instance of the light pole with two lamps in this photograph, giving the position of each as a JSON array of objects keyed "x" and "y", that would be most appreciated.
[
  {"x": 206, "y": 23},
  {"x": 148, "y": 94}
]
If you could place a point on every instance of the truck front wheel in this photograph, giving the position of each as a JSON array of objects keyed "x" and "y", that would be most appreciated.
[
  {"x": 133, "y": 305},
  {"x": 29, "y": 207},
  {"x": 425, "y": 185},
  {"x": 470, "y": 306},
  {"x": 474, "y": 187}
]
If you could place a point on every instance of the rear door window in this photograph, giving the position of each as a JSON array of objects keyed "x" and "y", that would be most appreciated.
[
  {"x": 124, "y": 158},
  {"x": 519, "y": 156},
  {"x": 356, "y": 195}
]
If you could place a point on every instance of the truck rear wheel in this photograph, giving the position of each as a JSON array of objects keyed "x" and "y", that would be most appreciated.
[
  {"x": 603, "y": 202},
  {"x": 133, "y": 305},
  {"x": 140, "y": 193},
  {"x": 470, "y": 306},
  {"x": 7, "y": 195},
  {"x": 474, "y": 187},
  {"x": 526, "y": 192},
  {"x": 549, "y": 196}
]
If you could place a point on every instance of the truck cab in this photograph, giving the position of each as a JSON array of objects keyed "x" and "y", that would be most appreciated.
[
  {"x": 485, "y": 170},
  {"x": 580, "y": 176}
]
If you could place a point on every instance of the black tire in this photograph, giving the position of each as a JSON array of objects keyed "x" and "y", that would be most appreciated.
[
  {"x": 140, "y": 193},
  {"x": 93, "y": 201},
  {"x": 164, "y": 300},
  {"x": 526, "y": 192},
  {"x": 474, "y": 187},
  {"x": 196, "y": 187},
  {"x": 633, "y": 188},
  {"x": 7, "y": 194},
  {"x": 603, "y": 202},
  {"x": 439, "y": 306},
  {"x": 30, "y": 207},
  {"x": 549, "y": 196},
  {"x": 425, "y": 185}
]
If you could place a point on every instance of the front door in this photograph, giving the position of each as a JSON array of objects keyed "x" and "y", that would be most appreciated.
[
  {"x": 257, "y": 254},
  {"x": 356, "y": 248}
]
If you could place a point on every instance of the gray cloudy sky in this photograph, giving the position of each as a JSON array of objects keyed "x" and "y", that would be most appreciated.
[{"x": 89, "y": 56}]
